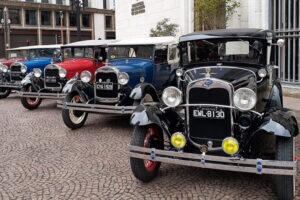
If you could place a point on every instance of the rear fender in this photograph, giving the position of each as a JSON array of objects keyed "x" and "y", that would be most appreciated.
[{"x": 139, "y": 92}]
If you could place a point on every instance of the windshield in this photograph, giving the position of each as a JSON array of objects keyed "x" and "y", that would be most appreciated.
[
  {"x": 16, "y": 54},
  {"x": 78, "y": 52},
  {"x": 119, "y": 52},
  {"x": 250, "y": 51},
  {"x": 35, "y": 53}
]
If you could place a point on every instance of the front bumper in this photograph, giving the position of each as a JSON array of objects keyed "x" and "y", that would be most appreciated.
[
  {"x": 11, "y": 85},
  {"x": 256, "y": 166},
  {"x": 42, "y": 95},
  {"x": 95, "y": 108}
]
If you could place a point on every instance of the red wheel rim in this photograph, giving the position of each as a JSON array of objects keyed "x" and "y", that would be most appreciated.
[
  {"x": 151, "y": 134},
  {"x": 32, "y": 101}
]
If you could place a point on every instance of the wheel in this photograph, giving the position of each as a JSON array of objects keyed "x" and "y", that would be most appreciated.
[
  {"x": 149, "y": 137},
  {"x": 285, "y": 185},
  {"x": 147, "y": 99},
  {"x": 30, "y": 103},
  {"x": 4, "y": 93},
  {"x": 72, "y": 118}
]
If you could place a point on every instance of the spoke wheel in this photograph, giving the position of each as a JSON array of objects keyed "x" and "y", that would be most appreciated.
[
  {"x": 28, "y": 102},
  {"x": 76, "y": 116}
]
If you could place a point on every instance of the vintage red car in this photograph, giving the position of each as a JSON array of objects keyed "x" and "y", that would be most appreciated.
[
  {"x": 15, "y": 55},
  {"x": 84, "y": 56}
]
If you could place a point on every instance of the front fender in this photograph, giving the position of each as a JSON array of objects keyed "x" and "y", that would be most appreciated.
[
  {"x": 28, "y": 79},
  {"x": 142, "y": 89},
  {"x": 85, "y": 90},
  {"x": 145, "y": 115}
]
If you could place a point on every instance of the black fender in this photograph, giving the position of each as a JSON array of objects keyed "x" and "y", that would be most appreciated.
[
  {"x": 28, "y": 80},
  {"x": 275, "y": 99},
  {"x": 85, "y": 90},
  {"x": 142, "y": 89}
]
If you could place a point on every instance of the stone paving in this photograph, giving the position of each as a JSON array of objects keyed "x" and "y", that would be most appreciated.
[{"x": 41, "y": 159}]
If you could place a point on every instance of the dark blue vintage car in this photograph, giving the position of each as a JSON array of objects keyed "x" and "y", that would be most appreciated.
[
  {"x": 36, "y": 57},
  {"x": 137, "y": 71}
]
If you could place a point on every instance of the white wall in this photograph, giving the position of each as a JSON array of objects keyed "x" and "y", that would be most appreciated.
[
  {"x": 128, "y": 26},
  {"x": 99, "y": 26}
]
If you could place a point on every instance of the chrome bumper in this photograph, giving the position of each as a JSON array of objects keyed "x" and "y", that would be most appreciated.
[
  {"x": 10, "y": 85},
  {"x": 40, "y": 95},
  {"x": 256, "y": 166},
  {"x": 95, "y": 108}
]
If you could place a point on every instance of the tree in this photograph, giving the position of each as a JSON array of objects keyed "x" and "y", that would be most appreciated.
[
  {"x": 213, "y": 14},
  {"x": 164, "y": 28}
]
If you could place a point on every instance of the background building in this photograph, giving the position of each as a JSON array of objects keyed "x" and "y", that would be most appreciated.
[
  {"x": 135, "y": 18},
  {"x": 38, "y": 21}
]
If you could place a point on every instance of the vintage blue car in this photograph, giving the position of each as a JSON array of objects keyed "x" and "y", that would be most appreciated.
[
  {"x": 36, "y": 57},
  {"x": 136, "y": 69}
]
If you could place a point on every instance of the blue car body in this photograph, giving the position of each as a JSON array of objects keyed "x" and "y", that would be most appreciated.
[{"x": 40, "y": 63}]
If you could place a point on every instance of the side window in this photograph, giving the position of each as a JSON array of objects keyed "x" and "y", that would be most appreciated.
[
  {"x": 173, "y": 55},
  {"x": 161, "y": 56}
]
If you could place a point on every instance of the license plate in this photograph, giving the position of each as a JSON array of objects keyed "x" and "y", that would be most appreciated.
[
  {"x": 15, "y": 74},
  {"x": 209, "y": 113},
  {"x": 50, "y": 80},
  {"x": 105, "y": 86}
]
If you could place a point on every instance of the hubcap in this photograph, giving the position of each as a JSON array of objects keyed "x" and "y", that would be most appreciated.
[
  {"x": 76, "y": 116},
  {"x": 32, "y": 101}
]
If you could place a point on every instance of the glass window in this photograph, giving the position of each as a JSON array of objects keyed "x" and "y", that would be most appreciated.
[
  {"x": 57, "y": 18},
  {"x": 45, "y": 1},
  {"x": 108, "y": 22},
  {"x": 60, "y": 2},
  {"x": 161, "y": 56},
  {"x": 46, "y": 18},
  {"x": 72, "y": 18},
  {"x": 1, "y": 13},
  {"x": 30, "y": 17},
  {"x": 78, "y": 52},
  {"x": 15, "y": 54},
  {"x": 118, "y": 52},
  {"x": 86, "y": 20},
  {"x": 14, "y": 15}
]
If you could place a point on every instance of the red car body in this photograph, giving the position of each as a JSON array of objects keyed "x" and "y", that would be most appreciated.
[{"x": 9, "y": 62}]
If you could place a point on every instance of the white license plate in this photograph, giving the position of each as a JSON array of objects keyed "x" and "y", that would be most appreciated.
[
  {"x": 51, "y": 80},
  {"x": 209, "y": 113},
  {"x": 105, "y": 86}
]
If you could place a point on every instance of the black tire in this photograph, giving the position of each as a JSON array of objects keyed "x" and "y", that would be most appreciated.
[
  {"x": 4, "y": 93},
  {"x": 30, "y": 103},
  {"x": 67, "y": 115},
  {"x": 285, "y": 185},
  {"x": 138, "y": 166}
]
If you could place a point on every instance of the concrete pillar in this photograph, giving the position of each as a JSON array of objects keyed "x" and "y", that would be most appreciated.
[
  {"x": 39, "y": 31},
  {"x": 67, "y": 28}
]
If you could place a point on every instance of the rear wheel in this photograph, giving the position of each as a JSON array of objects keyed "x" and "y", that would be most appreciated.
[
  {"x": 28, "y": 102},
  {"x": 72, "y": 118},
  {"x": 285, "y": 185},
  {"x": 4, "y": 93},
  {"x": 149, "y": 137}
]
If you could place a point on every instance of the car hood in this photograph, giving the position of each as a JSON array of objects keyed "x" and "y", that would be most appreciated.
[
  {"x": 40, "y": 63},
  {"x": 237, "y": 76},
  {"x": 9, "y": 62},
  {"x": 77, "y": 65},
  {"x": 133, "y": 66}
]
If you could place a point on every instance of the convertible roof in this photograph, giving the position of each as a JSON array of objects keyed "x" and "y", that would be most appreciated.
[
  {"x": 228, "y": 33},
  {"x": 147, "y": 41},
  {"x": 55, "y": 46},
  {"x": 90, "y": 43}
]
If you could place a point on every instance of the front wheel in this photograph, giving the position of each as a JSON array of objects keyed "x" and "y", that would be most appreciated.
[
  {"x": 4, "y": 93},
  {"x": 285, "y": 185},
  {"x": 28, "y": 102},
  {"x": 72, "y": 118},
  {"x": 148, "y": 137}
]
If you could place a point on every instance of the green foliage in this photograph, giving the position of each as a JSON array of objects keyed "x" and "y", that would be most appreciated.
[
  {"x": 164, "y": 28},
  {"x": 213, "y": 14}
]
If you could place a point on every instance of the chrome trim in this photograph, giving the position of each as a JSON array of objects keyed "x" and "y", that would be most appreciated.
[
  {"x": 52, "y": 66},
  {"x": 42, "y": 95},
  {"x": 217, "y": 83},
  {"x": 16, "y": 72}
]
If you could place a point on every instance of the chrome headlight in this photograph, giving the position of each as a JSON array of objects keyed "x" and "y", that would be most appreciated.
[
  {"x": 23, "y": 68},
  {"x": 262, "y": 73},
  {"x": 3, "y": 68},
  {"x": 172, "y": 96},
  {"x": 85, "y": 76},
  {"x": 62, "y": 72},
  {"x": 37, "y": 72},
  {"x": 123, "y": 78},
  {"x": 244, "y": 99}
]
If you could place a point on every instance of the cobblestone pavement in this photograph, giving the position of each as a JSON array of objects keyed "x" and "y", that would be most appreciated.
[{"x": 41, "y": 159}]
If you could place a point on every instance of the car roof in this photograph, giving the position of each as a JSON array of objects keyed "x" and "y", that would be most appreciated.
[
  {"x": 147, "y": 41},
  {"x": 228, "y": 33},
  {"x": 90, "y": 43},
  {"x": 55, "y": 46}
]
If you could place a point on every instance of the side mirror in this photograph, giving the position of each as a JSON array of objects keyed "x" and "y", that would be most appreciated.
[{"x": 280, "y": 43}]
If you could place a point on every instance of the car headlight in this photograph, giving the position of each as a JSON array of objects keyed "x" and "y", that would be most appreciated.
[
  {"x": 244, "y": 99},
  {"x": 85, "y": 76},
  {"x": 123, "y": 78},
  {"x": 3, "y": 68},
  {"x": 37, "y": 72},
  {"x": 172, "y": 96},
  {"x": 62, "y": 72},
  {"x": 23, "y": 69},
  {"x": 262, "y": 73}
]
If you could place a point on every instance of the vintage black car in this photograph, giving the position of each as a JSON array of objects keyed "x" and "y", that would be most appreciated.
[
  {"x": 226, "y": 112},
  {"x": 136, "y": 69}
]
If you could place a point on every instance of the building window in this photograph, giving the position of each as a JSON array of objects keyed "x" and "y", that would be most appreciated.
[
  {"x": 104, "y": 4},
  {"x": 108, "y": 22},
  {"x": 45, "y": 1},
  {"x": 45, "y": 18},
  {"x": 29, "y": 0},
  {"x": 138, "y": 8},
  {"x": 86, "y": 20},
  {"x": 14, "y": 15},
  {"x": 60, "y": 2},
  {"x": 30, "y": 17},
  {"x": 72, "y": 18},
  {"x": 57, "y": 19}
]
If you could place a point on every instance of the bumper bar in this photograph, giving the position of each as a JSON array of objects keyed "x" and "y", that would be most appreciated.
[
  {"x": 95, "y": 108},
  {"x": 257, "y": 166},
  {"x": 41, "y": 95},
  {"x": 8, "y": 85}
]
